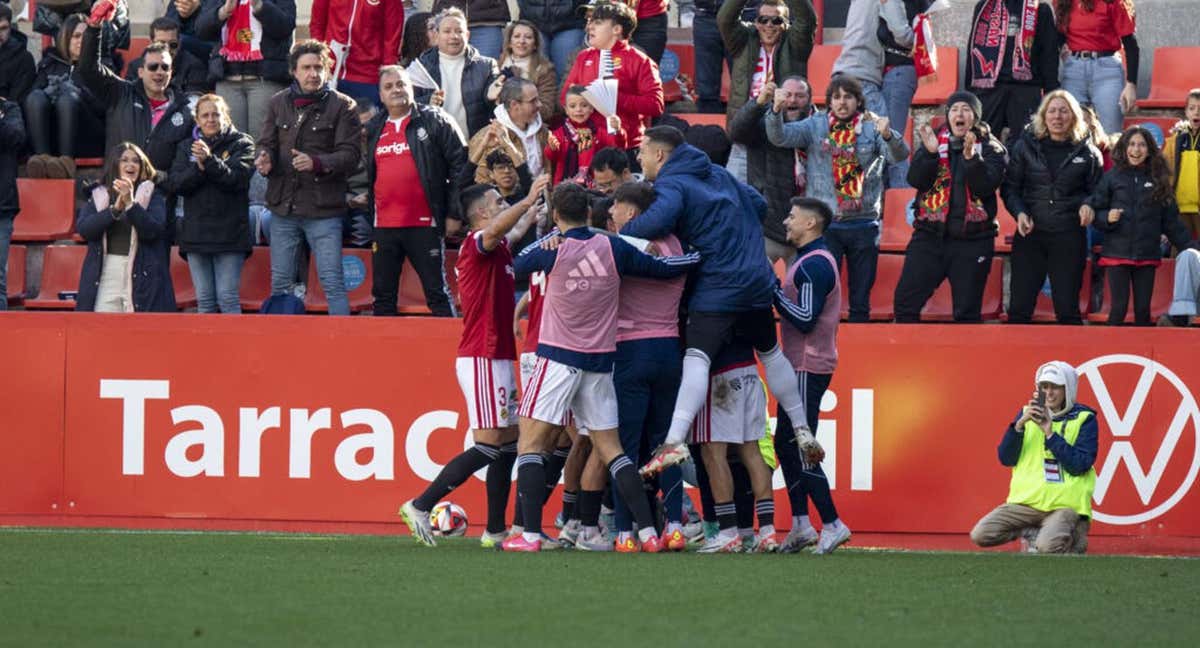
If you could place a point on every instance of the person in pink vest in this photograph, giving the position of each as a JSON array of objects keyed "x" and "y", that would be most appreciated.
[
  {"x": 810, "y": 302},
  {"x": 576, "y": 350}
]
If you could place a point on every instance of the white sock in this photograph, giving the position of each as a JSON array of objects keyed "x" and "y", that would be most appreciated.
[
  {"x": 781, "y": 380},
  {"x": 832, "y": 526},
  {"x": 693, "y": 390},
  {"x": 646, "y": 534},
  {"x": 517, "y": 528},
  {"x": 674, "y": 526},
  {"x": 768, "y": 530},
  {"x": 801, "y": 522},
  {"x": 530, "y": 537}
]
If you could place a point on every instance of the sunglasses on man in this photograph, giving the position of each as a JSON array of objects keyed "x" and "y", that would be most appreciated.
[
  {"x": 770, "y": 20},
  {"x": 155, "y": 67}
]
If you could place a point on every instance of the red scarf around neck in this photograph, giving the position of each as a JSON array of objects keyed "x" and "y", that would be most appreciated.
[
  {"x": 241, "y": 37},
  {"x": 935, "y": 203}
]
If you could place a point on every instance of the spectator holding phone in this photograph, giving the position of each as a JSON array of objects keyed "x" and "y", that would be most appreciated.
[{"x": 1051, "y": 447}]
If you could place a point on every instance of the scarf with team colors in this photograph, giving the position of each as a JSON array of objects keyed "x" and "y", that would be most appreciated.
[
  {"x": 241, "y": 37},
  {"x": 847, "y": 172},
  {"x": 989, "y": 38},
  {"x": 935, "y": 203}
]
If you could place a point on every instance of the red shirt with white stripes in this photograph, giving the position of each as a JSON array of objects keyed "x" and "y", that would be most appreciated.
[
  {"x": 400, "y": 199},
  {"x": 486, "y": 287},
  {"x": 537, "y": 294}
]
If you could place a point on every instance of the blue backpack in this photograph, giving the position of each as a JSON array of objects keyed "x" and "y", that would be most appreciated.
[{"x": 287, "y": 304}]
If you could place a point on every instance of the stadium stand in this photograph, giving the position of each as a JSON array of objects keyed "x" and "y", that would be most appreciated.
[
  {"x": 930, "y": 93},
  {"x": 1164, "y": 286},
  {"x": 181, "y": 280},
  {"x": 256, "y": 279},
  {"x": 412, "y": 297},
  {"x": 47, "y": 210},
  {"x": 895, "y": 231},
  {"x": 359, "y": 296},
  {"x": 1043, "y": 310}
]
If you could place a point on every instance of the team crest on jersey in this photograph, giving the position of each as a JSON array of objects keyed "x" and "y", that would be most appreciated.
[
  {"x": 177, "y": 119},
  {"x": 422, "y": 134}
]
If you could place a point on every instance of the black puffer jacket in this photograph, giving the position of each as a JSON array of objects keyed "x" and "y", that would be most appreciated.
[
  {"x": 770, "y": 169},
  {"x": 12, "y": 138},
  {"x": 982, "y": 175},
  {"x": 1138, "y": 233},
  {"x": 478, "y": 73},
  {"x": 215, "y": 199},
  {"x": 552, "y": 16},
  {"x": 128, "y": 116},
  {"x": 1052, "y": 200},
  {"x": 438, "y": 152},
  {"x": 278, "y": 18}
]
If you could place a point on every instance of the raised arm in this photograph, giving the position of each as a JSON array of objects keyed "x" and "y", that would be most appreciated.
[
  {"x": 631, "y": 261},
  {"x": 729, "y": 21}
]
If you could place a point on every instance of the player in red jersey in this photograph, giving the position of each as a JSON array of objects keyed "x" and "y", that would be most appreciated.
[{"x": 487, "y": 349}]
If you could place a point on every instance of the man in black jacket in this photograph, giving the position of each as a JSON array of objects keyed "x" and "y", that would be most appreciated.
[
  {"x": 189, "y": 74},
  {"x": 12, "y": 138},
  {"x": 1012, "y": 58},
  {"x": 1052, "y": 169},
  {"x": 461, "y": 74},
  {"x": 956, "y": 172},
  {"x": 16, "y": 63},
  {"x": 777, "y": 172},
  {"x": 146, "y": 112},
  {"x": 413, "y": 152}
]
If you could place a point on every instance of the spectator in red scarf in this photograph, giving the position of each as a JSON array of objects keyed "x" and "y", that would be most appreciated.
[
  {"x": 956, "y": 171},
  {"x": 585, "y": 131},
  {"x": 1012, "y": 59},
  {"x": 253, "y": 39}
]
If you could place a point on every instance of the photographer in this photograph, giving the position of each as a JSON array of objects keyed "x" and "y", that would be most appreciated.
[
  {"x": 1051, "y": 447},
  {"x": 956, "y": 172}
]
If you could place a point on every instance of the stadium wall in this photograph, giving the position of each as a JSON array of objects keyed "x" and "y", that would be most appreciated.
[{"x": 327, "y": 424}]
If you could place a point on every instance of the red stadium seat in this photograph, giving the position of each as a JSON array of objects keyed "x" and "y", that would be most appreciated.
[
  {"x": 820, "y": 68},
  {"x": 181, "y": 279},
  {"x": 687, "y": 58},
  {"x": 886, "y": 277},
  {"x": 412, "y": 296},
  {"x": 935, "y": 91},
  {"x": 256, "y": 279},
  {"x": 1164, "y": 287},
  {"x": 358, "y": 283},
  {"x": 61, "y": 268},
  {"x": 136, "y": 47},
  {"x": 896, "y": 231},
  {"x": 1008, "y": 228},
  {"x": 47, "y": 210},
  {"x": 1171, "y": 77},
  {"x": 16, "y": 274}
]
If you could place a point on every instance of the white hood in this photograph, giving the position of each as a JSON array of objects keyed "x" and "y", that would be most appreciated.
[
  {"x": 528, "y": 137},
  {"x": 1068, "y": 375}
]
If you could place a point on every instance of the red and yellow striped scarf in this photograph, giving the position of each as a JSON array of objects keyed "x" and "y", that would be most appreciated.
[
  {"x": 935, "y": 203},
  {"x": 847, "y": 172}
]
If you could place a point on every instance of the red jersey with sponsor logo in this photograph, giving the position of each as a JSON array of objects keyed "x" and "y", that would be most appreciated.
[
  {"x": 487, "y": 288},
  {"x": 537, "y": 294},
  {"x": 399, "y": 196}
]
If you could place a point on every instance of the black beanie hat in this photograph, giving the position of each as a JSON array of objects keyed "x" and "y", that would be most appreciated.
[{"x": 968, "y": 98}]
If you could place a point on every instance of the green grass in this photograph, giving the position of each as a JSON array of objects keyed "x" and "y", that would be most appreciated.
[{"x": 76, "y": 588}]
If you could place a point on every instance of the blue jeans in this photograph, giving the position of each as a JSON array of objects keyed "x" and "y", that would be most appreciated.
[
  {"x": 561, "y": 47},
  {"x": 1098, "y": 83},
  {"x": 859, "y": 244},
  {"x": 360, "y": 91},
  {"x": 260, "y": 225},
  {"x": 218, "y": 279},
  {"x": 899, "y": 86},
  {"x": 710, "y": 56},
  {"x": 489, "y": 40},
  {"x": 6, "y": 230},
  {"x": 324, "y": 236}
]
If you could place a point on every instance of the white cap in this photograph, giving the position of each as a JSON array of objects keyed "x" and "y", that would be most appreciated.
[{"x": 1051, "y": 373}]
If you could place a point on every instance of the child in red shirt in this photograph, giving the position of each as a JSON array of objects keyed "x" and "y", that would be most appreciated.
[{"x": 585, "y": 131}]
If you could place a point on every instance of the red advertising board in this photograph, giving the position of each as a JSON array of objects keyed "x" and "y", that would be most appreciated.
[{"x": 325, "y": 421}]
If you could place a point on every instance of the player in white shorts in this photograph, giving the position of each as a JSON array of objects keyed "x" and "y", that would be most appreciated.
[{"x": 733, "y": 417}]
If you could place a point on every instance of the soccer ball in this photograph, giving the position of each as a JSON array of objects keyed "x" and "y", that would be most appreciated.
[{"x": 448, "y": 519}]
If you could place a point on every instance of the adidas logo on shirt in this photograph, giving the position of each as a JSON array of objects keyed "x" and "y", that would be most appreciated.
[{"x": 589, "y": 266}]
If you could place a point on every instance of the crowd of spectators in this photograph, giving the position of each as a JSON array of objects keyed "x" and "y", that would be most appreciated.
[{"x": 227, "y": 133}]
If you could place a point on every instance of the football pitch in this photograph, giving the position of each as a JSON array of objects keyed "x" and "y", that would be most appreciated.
[{"x": 100, "y": 588}]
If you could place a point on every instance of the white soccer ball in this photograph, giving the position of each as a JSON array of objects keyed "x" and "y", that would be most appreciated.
[{"x": 448, "y": 519}]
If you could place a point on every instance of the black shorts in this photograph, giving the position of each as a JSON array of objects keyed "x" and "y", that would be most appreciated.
[{"x": 711, "y": 332}]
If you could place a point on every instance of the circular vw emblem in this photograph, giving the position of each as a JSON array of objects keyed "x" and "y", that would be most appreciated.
[{"x": 1123, "y": 421}]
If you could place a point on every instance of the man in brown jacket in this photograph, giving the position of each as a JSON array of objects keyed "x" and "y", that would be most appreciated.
[{"x": 310, "y": 145}]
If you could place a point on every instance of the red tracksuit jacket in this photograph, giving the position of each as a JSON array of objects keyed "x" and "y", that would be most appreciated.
[
  {"x": 639, "y": 88},
  {"x": 372, "y": 28}
]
